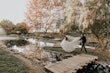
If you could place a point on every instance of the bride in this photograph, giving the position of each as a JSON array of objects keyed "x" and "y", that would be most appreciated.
[{"x": 70, "y": 43}]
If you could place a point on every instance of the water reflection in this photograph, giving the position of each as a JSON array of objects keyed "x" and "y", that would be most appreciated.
[
  {"x": 40, "y": 42},
  {"x": 20, "y": 42},
  {"x": 43, "y": 44},
  {"x": 25, "y": 48},
  {"x": 19, "y": 49},
  {"x": 8, "y": 38},
  {"x": 31, "y": 40},
  {"x": 25, "y": 45}
]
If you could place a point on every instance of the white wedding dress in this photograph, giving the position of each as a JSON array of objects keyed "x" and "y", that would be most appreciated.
[{"x": 71, "y": 44}]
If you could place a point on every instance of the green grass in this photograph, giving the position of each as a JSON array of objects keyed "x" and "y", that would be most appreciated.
[{"x": 11, "y": 64}]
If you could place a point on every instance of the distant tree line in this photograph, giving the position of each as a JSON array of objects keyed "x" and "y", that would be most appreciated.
[{"x": 11, "y": 28}]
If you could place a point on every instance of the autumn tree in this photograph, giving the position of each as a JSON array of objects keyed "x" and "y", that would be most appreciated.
[
  {"x": 93, "y": 15},
  {"x": 21, "y": 28},
  {"x": 44, "y": 14},
  {"x": 100, "y": 17},
  {"x": 8, "y": 26}
]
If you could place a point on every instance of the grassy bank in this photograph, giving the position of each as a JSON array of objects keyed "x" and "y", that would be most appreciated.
[{"x": 11, "y": 64}]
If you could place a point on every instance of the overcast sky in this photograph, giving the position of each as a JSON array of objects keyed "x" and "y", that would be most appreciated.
[{"x": 13, "y": 10}]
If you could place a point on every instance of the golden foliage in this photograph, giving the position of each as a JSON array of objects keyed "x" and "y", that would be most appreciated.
[{"x": 44, "y": 13}]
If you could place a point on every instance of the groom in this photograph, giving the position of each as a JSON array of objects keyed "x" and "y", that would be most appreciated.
[{"x": 83, "y": 38}]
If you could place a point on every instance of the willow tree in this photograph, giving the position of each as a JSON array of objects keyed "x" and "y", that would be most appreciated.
[
  {"x": 72, "y": 8},
  {"x": 44, "y": 14},
  {"x": 93, "y": 14}
]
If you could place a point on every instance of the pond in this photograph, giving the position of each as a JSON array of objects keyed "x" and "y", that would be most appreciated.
[
  {"x": 8, "y": 38},
  {"x": 32, "y": 44},
  {"x": 22, "y": 44},
  {"x": 29, "y": 47}
]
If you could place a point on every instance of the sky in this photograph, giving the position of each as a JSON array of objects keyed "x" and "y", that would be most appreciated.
[{"x": 13, "y": 10}]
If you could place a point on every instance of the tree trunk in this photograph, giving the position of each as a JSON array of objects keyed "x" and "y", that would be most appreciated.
[{"x": 98, "y": 38}]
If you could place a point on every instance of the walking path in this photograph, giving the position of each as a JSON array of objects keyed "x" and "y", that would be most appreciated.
[{"x": 71, "y": 65}]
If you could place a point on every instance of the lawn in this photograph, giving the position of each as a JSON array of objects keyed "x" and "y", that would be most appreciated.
[{"x": 11, "y": 64}]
